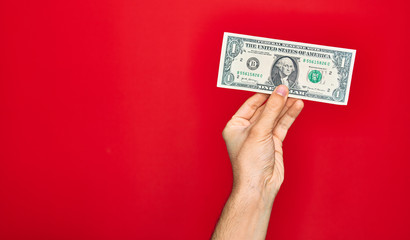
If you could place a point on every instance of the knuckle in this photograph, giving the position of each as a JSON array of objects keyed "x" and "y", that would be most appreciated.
[
  {"x": 253, "y": 105},
  {"x": 225, "y": 133},
  {"x": 283, "y": 125}
]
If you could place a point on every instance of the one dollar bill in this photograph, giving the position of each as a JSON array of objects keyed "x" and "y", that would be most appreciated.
[{"x": 312, "y": 72}]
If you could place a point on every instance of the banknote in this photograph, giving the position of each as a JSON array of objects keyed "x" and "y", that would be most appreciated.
[{"x": 312, "y": 72}]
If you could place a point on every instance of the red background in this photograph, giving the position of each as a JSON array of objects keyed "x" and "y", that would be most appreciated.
[{"x": 110, "y": 124}]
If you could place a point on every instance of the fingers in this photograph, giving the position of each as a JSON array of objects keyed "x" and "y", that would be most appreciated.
[
  {"x": 272, "y": 110},
  {"x": 288, "y": 104},
  {"x": 257, "y": 114},
  {"x": 248, "y": 109},
  {"x": 288, "y": 118}
]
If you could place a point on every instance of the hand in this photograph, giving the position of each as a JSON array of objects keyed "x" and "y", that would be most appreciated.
[{"x": 254, "y": 139}]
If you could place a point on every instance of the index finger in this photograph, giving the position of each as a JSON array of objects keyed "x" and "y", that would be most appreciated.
[{"x": 249, "y": 107}]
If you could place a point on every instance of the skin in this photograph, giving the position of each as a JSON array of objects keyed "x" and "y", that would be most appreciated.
[{"x": 254, "y": 139}]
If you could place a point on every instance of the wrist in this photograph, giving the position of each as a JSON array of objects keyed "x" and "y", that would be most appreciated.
[{"x": 261, "y": 195}]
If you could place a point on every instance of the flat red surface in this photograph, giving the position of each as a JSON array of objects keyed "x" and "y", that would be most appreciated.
[{"x": 110, "y": 120}]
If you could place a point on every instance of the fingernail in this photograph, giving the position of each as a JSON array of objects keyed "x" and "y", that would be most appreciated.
[{"x": 282, "y": 90}]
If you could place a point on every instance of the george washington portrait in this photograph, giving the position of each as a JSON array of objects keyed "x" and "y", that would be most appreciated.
[{"x": 284, "y": 71}]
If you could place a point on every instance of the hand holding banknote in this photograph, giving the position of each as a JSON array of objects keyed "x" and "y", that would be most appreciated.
[{"x": 254, "y": 139}]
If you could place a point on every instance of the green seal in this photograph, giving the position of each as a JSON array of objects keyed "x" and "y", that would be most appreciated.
[{"x": 315, "y": 76}]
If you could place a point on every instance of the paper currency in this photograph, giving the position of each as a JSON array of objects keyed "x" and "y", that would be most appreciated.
[{"x": 312, "y": 72}]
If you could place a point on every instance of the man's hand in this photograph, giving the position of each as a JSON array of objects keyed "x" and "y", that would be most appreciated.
[{"x": 254, "y": 139}]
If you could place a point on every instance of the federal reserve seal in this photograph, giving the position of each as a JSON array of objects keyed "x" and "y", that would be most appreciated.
[
  {"x": 315, "y": 76},
  {"x": 252, "y": 63}
]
